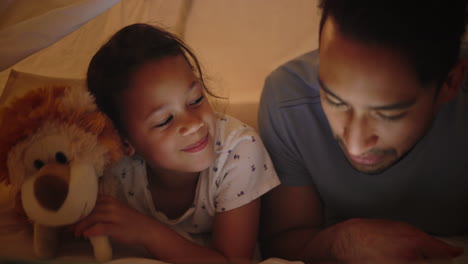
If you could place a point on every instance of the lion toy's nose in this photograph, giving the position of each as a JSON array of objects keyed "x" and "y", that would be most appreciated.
[{"x": 51, "y": 186}]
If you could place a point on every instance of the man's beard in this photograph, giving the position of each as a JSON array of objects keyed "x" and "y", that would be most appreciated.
[{"x": 371, "y": 152}]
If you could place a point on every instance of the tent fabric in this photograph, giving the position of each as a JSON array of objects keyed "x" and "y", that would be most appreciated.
[
  {"x": 70, "y": 55},
  {"x": 31, "y": 34},
  {"x": 238, "y": 42}
]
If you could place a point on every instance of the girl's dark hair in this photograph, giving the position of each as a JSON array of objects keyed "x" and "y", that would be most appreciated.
[
  {"x": 427, "y": 32},
  {"x": 111, "y": 68}
]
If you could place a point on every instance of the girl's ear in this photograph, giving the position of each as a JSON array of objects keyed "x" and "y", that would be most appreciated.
[
  {"x": 128, "y": 148},
  {"x": 453, "y": 82}
]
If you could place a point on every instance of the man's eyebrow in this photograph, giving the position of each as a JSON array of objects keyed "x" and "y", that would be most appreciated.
[
  {"x": 327, "y": 90},
  {"x": 396, "y": 106}
]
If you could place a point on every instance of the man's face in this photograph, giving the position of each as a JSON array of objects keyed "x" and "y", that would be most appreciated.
[{"x": 374, "y": 102}]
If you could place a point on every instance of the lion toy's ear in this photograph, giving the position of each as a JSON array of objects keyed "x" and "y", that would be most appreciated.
[{"x": 54, "y": 146}]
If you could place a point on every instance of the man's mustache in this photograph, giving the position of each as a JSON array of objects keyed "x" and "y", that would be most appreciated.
[{"x": 371, "y": 152}]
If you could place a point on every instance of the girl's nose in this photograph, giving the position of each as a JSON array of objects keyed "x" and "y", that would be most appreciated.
[{"x": 190, "y": 125}]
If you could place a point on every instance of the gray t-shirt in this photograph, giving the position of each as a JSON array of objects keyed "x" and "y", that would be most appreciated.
[{"x": 427, "y": 188}]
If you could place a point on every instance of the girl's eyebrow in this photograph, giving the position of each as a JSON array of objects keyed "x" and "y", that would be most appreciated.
[
  {"x": 152, "y": 111},
  {"x": 192, "y": 86}
]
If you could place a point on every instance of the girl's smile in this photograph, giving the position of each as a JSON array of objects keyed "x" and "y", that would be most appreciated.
[{"x": 197, "y": 146}]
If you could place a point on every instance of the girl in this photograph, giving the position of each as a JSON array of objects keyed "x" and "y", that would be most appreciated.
[{"x": 188, "y": 168}]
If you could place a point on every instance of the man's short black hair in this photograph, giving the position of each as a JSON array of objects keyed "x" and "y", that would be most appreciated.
[{"x": 428, "y": 32}]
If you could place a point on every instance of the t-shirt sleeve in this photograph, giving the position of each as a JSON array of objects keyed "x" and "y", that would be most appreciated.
[
  {"x": 277, "y": 134},
  {"x": 247, "y": 173}
]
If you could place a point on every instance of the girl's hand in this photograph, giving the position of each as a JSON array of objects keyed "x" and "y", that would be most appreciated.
[{"x": 111, "y": 217}]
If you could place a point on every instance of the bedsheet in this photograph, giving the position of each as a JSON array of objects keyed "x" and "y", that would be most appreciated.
[{"x": 16, "y": 244}]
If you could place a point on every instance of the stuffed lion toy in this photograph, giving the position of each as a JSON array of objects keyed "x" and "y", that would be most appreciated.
[{"x": 54, "y": 147}]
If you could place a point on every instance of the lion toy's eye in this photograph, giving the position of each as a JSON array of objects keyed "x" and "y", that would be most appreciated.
[
  {"x": 61, "y": 158},
  {"x": 38, "y": 164}
]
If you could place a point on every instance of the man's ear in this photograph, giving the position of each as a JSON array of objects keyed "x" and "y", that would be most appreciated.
[
  {"x": 453, "y": 82},
  {"x": 128, "y": 148}
]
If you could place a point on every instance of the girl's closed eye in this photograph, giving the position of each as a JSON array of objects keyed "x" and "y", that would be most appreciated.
[
  {"x": 198, "y": 101},
  {"x": 165, "y": 122}
]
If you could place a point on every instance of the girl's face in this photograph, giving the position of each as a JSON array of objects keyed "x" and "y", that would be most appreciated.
[{"x": 169, "y": 120}]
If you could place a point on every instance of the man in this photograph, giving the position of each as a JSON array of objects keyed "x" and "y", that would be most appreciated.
[{"x": 369, "y": 136}]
